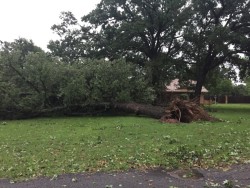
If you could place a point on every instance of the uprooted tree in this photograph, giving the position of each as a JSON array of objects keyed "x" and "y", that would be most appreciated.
[
  {"x": 177, "y": 111},
  {"x": 32, "y": 83},
  {"x": 165, "y": 39}
]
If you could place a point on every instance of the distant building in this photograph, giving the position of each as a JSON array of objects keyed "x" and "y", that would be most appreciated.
[{"x": 174, "y": 89}]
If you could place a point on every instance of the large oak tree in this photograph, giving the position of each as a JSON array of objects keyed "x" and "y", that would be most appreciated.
[
  {"x": 218, "y": 35},
  {"x": 142, "y": 31},
  {"x": 157, "y": 34}
]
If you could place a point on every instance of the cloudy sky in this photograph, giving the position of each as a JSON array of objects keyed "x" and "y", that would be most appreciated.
[{"x": 32, "y": 19}]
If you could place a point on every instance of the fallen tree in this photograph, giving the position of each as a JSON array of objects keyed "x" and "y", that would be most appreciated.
[
  {"x": 141, "y": 109},
  {"x": 178, "y": 111}
]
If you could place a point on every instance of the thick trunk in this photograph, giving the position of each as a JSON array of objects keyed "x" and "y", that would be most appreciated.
[
  {"x": 141, "y": 109},
  {"x": 201, "y": 77},
  {"x": 178, "y": 111},
  {"x": 205, "y": 67},
  {"x": 156, "y": 74},
  {"x": 198, "y": 88},
  {"x": 118, "y": 109}
]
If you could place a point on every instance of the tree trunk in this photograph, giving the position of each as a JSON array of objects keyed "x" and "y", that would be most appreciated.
[
  {"x": 157, "y": 80},
  {"x": 118, "y": 108},
  {"x": 200, "y": 82},
  {"x": 198, "y": 89},
  {"x": 178, "y": 111},
  {"x": 141, "y": 109}
]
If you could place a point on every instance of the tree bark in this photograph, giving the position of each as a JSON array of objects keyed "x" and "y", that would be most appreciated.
[
  {"x": 198, "y": 87},
  {"x": 118, "y": 108},
  {"x": 201, "y": 77},
  {"x": 141, "y": 109}
]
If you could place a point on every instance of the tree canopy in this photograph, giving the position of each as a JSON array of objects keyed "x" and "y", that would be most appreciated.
[
  {"x": 132, "y": 28},
  {"x": 139, "y": 31},
  {"x": 218, "y": 34},
  {"x": 168, "y": 37}
]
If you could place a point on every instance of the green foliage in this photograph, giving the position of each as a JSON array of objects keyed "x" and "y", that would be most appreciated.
[
  {"x": 29, "y": 77},
  {"x": 46, "y": 73},
  {"x": 240, "y": 90},
  {"x": 166, "y": 39},
  {"x": 221, "y": 87},
  {"x": 169, "y": 37},
  {"x": 8, "y": 95},
  {"x": 218, "y": 32},
  {"x": 144, "y": 32},
  {"x": 31, "y": 80},
  {"x": 247, "y": 81},
  {"x": 72, "y": 45},
  {"x": 96, "y": 81},
  {"x": 132, "y": 27}
]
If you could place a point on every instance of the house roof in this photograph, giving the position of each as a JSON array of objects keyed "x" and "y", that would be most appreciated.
[{"x": 174, "y": 86}]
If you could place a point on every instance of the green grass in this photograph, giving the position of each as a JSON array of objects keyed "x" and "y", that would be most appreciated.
[{"x": 53, "y": 146}]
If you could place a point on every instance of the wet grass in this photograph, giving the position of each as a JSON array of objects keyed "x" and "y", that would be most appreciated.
[{"x": 53, "y": 146}]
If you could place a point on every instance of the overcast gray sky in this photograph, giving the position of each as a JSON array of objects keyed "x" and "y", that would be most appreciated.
[{"x": 32, "y": 19}]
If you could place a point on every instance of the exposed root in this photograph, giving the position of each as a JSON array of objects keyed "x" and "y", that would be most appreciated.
[{"x": 185, "y": 111}]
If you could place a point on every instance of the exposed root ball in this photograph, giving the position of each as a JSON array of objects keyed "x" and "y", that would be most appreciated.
[{"x": 185, "y": 111}]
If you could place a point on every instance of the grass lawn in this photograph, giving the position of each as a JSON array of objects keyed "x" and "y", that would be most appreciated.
[{"x": 53, "y": 146}]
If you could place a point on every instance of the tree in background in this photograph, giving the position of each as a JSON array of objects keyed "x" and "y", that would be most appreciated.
[
  {"x": 220, "y": 81},
  {"x": 247, "y": 81},
  {"x": 218, "y": 34},
  {"x": 72, "y": 44},
  {"x": 239, "y": 90},
  {"x": 128, "y": 28},
  {"x": 204, "y": 34},
  {"x": 221, "y": 87},
  {"x": 138, "y": 31}
]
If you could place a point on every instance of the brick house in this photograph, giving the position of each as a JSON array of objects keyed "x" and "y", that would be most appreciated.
[{"x": 174, "y": 89}]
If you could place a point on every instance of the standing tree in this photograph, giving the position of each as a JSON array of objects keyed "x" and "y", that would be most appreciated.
[
  {"x": 144, "y": 27},
  {"x": 218, "y": 34},
  {"x": 142, "y": 31},
  {"x": 247, "y": 81},
  {"x": 220, "y": 81},
  {"x": 156, "y": 34},
  {"x": 72, "y": 43}
]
